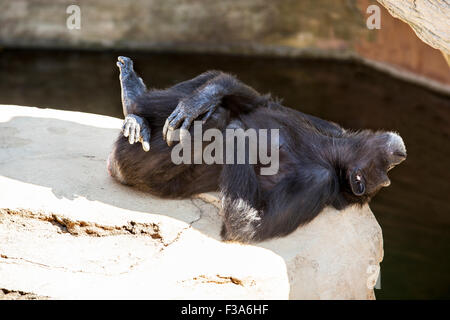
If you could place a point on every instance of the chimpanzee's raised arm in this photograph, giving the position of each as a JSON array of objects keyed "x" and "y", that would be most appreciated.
[
  {"x": 224, "y": 89},
  {"x": 134, "y": 127}
]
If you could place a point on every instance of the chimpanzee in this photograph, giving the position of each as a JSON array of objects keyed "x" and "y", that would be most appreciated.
[{"x": 320, "y": 163}]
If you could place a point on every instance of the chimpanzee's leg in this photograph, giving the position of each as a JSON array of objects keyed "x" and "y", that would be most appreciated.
[
  {"x": 131, "y": 84},
  {"x": 241, "y": 196},
  {"x": 145, "y": 109},
  {"x": 241, "y": 201},
  {"x": 154, "y": 171},
  {"x": 134, "y": 127}
]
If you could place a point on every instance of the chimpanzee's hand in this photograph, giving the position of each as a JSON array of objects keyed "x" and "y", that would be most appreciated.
[
  {"x": 184, "y": 114},
  {"x": 137, "y": 129}
]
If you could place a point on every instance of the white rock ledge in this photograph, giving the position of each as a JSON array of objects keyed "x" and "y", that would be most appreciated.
[{"x": 69, "y": 231}]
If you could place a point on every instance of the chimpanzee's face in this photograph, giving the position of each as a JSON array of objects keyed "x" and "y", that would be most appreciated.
[{"x": 375, "y": 155}]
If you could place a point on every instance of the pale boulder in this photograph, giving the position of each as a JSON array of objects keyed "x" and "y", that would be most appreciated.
[{"x": 68, "y": 230}]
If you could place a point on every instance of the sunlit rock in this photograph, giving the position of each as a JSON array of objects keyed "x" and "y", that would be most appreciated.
[{"x": 68, "y": 230}]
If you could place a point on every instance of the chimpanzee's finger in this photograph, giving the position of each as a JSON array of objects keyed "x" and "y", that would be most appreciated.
[
  {"x": 146, "y": 146},
  {"x": 145, "y": 139},
  {"x": 173, "y": 125},
  {"x": 184, "y": 130},
  {"x": 131, "y": 134},
  {"x": 137, "y": 132},
  {"x": 208, "y": 114},
  {"x": 126, "y": 129},
  {"x": 174, "y": 113},
  {"x": 165, "y": 128},
  {"x": 172, "y": 136},
  {"x": 169, "y": 120}
]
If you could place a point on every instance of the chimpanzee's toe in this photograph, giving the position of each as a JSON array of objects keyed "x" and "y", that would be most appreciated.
[
  {"x": 125, "y": 62},
  {"x": 125, "y": 65}
]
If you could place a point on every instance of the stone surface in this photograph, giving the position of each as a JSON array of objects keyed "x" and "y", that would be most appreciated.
[
  {"x": 68, "y": 230},
  {"x": 317, "y": 28},
  {"x": 429, "y": 20}
]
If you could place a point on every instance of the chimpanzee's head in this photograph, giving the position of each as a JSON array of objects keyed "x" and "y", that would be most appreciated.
[{"x": 369, "y": 156}]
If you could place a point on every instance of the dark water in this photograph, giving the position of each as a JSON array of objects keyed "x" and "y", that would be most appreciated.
[{"x": 414, "y": 211}]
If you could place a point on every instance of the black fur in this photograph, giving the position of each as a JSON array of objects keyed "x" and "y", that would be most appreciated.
[{"x": 321, "y": 164}]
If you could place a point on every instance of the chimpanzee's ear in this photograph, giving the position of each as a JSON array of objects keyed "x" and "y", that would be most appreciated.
[{"x": 357, "y": 182}]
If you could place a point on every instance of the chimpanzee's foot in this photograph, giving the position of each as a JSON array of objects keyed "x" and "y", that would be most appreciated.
[
  {"x": 137, "y": 129},
  {"x": 132, "y": 85}
]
